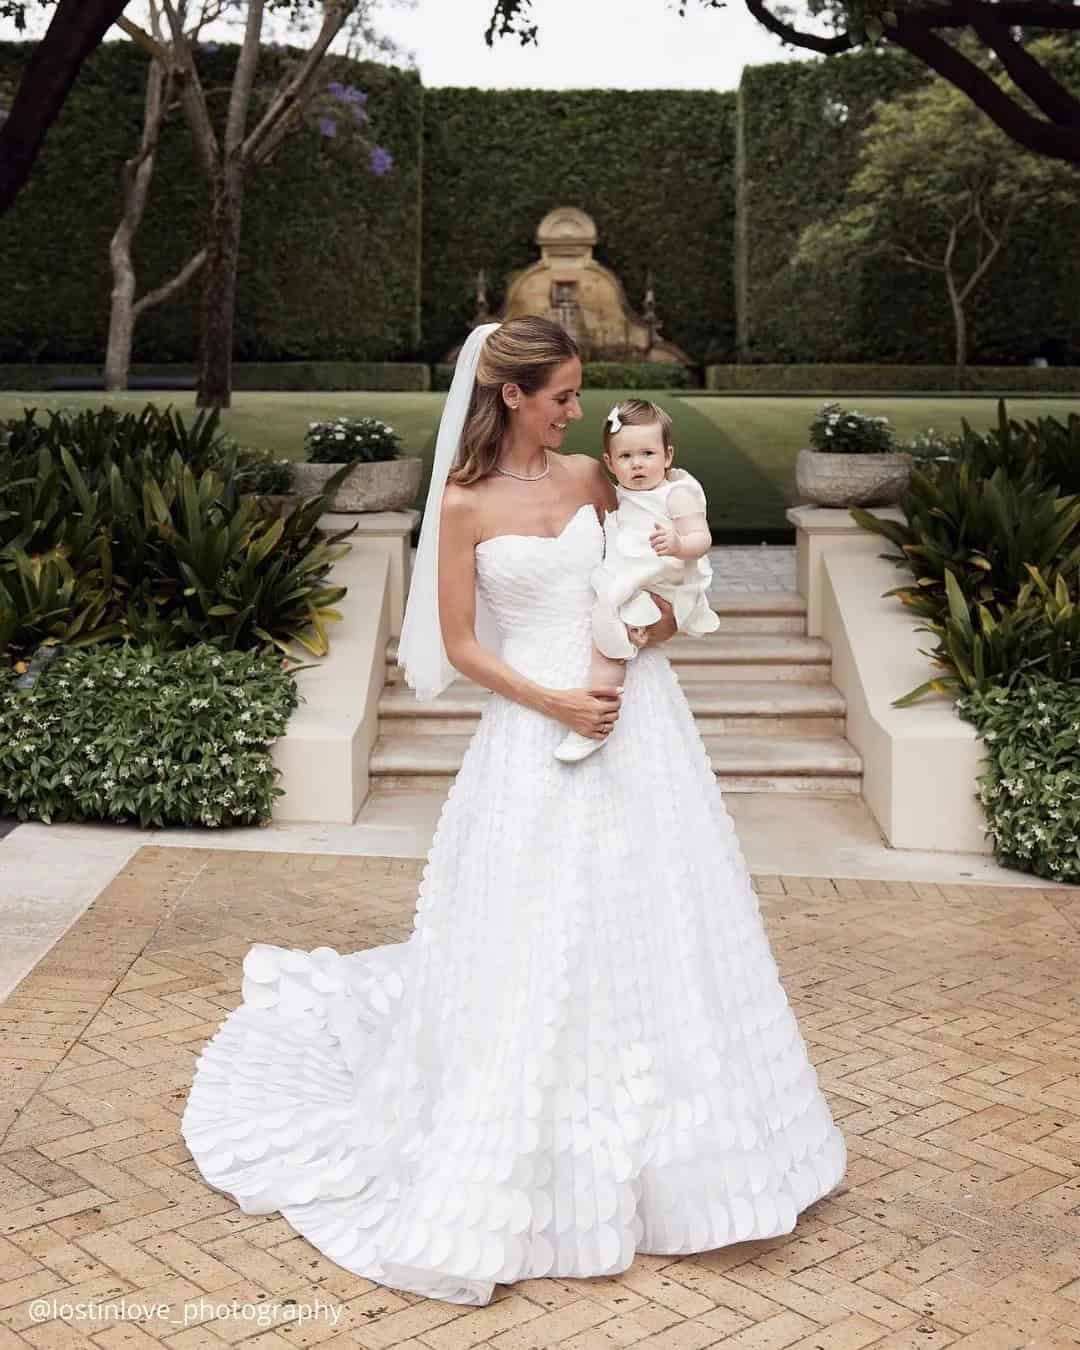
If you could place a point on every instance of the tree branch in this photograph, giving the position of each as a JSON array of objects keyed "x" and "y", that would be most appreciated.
[
  {"x": 155, "y": 297},
  {"x": 1047, "y": 93},
  {"x": 143, "y": 39},
  {"x": 287, "y": 97},
  {"x": 192, "y": 98},
  {"x": 1032, "y": 132},
  {"x": 76, "y": 29},
  {"x": 244, "y": 78},
  {"x": 1021, "y": 13},
  {"x": 812, "y": 42}
]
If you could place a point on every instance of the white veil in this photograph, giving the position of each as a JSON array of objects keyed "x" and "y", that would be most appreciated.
[{"x": 421, "y": 653}]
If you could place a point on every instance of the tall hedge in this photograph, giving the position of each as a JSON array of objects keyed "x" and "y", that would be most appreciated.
[
  {"x": 329, "y": 263},
  {"x": 653, "y": 168},
  {"x": 338, "y": 264},
  {"x": 799, "y": 125}
]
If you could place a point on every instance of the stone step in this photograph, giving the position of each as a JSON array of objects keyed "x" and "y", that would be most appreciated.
[
  {"x": 740, "y": 656},
  {"x": 740, "y": 763},
  {"x": 759, "y": 612},
  {"x": 719, "y": 706}
]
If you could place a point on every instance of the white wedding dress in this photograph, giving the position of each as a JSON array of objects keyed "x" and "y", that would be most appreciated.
[{"x": 582, "y": 1051}]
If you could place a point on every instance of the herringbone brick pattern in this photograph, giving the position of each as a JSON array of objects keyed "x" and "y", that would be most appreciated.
[{"x": 944, "y": 1021}]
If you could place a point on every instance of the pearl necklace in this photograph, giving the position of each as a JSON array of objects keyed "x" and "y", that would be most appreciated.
[{"x": 528, "y": 477}]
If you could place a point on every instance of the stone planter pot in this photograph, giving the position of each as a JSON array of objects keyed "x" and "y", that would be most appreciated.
[
  {"x": 385, "y": 485},
  {"x": 851, "y": 480}
]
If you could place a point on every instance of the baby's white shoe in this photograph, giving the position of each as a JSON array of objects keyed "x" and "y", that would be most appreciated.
[{"x": 575, "y": 746}]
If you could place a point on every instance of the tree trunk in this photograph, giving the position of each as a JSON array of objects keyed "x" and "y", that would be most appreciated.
[
  {"x": 219, "y": 287},
  {"x": 121, "y": 313},
  {"x": 76, "y": 29},
  {"x": 961, "y": 340},
  {"x": 136, "y": 183},
  {"x": 956, "y": 303}
]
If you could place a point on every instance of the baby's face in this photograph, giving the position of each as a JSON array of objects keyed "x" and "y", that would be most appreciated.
[{"x": 637, "y": 458}]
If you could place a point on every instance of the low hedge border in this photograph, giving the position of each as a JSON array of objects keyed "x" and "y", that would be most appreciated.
[
  {"x": 800, "y": 379},
  {"x": 413, "y": 377},
  {"x": 125, "y": 733},
  {"x": 607, "y": 375}
]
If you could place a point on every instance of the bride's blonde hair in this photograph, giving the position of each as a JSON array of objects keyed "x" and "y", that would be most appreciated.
[{"x": 521, "y": 351}]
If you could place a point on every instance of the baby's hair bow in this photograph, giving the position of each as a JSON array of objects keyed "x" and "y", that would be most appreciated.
[{"x": 614, "y": 421}]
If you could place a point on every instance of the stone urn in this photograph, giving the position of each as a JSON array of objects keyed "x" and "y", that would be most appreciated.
[
  {"x": 827, "y": 479},
  {"x": 379, "y": 485}
]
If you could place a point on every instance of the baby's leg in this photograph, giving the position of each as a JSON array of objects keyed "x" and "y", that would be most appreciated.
[
  {"x": 602, "y": 670},
  {"x": 605, "y": 669}
]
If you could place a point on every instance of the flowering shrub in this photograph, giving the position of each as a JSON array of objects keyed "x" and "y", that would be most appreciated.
[
  {"x": 346, "y": 439},
  {"x": 1031, "y": 787},
  {"x": 124, "y": 733},
  {"x": 850, "y": 433},
  {"x": 344, "y": 99},
  {"x": 932, "y": 444}
]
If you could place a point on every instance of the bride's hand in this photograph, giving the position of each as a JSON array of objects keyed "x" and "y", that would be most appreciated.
[
  {"x": 664, "y": 627},
  {"x": 592, "y": 712}
]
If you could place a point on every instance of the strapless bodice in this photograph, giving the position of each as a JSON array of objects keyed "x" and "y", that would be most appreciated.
[{"x": 539, "y": 591}]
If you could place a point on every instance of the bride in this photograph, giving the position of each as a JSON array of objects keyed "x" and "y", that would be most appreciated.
[{"x": 583, "y": 1050}]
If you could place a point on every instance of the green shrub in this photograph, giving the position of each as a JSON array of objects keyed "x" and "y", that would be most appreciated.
[
  {"x": 255, "y": 470},
  {"x": 1030, "y": 789},
  {"x": 127, "y": 733},
  {"x": 349, "y": 440},
  {"x": 409, "y": 377},
  {"x": 329, "y": 253},
  {"x": 801, "y": 378},
  {"x": 994, "y": 551},
  {"x": 634, "y": 375},
  {"x": 652, "y": 167},
  {"x": 307, "y": 376},
  {"x": 837, "y": 432},
  {"x": 932, "y": 444},
  {"x": 606, "y": 375},
  {"x": 137, "y": 526},
  {"x": 799, "y": 113}
]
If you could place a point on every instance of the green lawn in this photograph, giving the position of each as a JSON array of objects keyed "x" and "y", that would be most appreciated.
[{"x": 742, "y": 448}]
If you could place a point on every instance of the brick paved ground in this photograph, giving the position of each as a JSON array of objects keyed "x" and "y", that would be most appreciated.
[{"x": 944, "y": 1021}]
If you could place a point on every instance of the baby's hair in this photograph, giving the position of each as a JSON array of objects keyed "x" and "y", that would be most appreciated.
[{"x": 638, "y": 412}]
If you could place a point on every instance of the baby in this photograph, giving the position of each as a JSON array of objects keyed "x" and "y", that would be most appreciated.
[{"x": 657, "y": 539}]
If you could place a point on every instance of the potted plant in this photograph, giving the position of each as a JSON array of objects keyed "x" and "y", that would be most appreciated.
[
  {"x": 381, "y": 478},
  {"x": 852, "y": 460}
]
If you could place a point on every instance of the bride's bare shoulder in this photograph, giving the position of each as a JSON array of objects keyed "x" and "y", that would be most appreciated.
[
  {"x": 595, "y": 475},
  {"x": 459, "y": 506}
]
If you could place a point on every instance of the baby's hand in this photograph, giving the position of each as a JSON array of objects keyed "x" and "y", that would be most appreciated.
[{"x": 665, "y": 540}]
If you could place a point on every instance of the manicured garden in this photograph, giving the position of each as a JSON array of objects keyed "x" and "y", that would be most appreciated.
[
  {"x": 742, "y": 448},
  {"x": 989, "y": 560},
  {"x": 153, "y": 608}
]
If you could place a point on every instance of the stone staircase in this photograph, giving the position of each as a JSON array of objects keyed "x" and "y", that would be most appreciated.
[{"x": 759, "y": 688}]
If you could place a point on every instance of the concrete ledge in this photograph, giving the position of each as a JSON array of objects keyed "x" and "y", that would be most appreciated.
[
  {"x": 389, "y": 531},
  {"x": 821, "y": 530},
  {"x": 324, "y": 754},
  {"x": 920, "y": 764}
]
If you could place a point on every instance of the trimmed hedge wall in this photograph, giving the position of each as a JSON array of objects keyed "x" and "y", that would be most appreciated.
[
  {"x": 605, "y": 375},
  {"x": 915, "y": 379},
  {"x": 329, "y": 263},
  {"x": 339, "y": 265},
  {"x": 799, "y": 124},
  {"x": 653, "y": 168},
  {"x": 399, "y": 376}
]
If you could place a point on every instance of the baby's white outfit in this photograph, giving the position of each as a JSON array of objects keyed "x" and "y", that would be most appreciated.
[{"x": 631, "y": 568}]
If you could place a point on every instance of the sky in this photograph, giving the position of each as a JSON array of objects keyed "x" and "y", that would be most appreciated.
[{"x": 583, "y": 44}]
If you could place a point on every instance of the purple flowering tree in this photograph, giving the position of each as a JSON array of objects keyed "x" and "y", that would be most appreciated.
[{"x": 259, "y": 118}]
